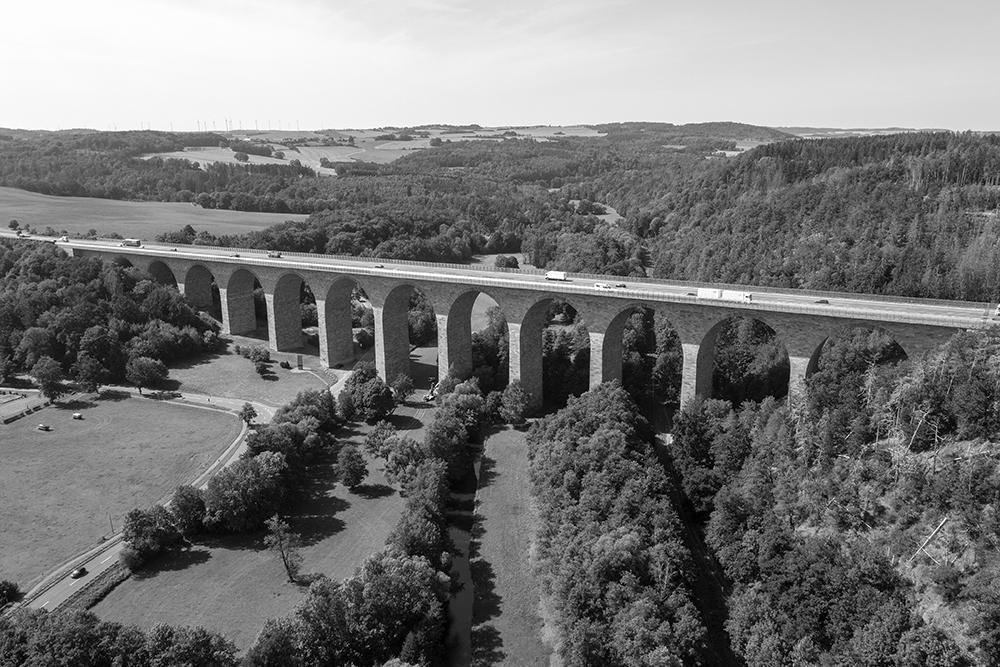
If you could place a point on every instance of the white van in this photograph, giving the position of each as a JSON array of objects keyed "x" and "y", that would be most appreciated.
[{"x": 133, "y": 243}]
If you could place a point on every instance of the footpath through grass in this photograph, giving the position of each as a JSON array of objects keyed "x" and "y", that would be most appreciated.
[
  {"x": 506, "y": 627},
  {"x": 58, "y": 488}
]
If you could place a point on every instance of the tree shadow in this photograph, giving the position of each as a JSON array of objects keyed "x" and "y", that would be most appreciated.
[
  {"x": 232, "y": 542},
  {"x": 487, "y": 646},
  {"x": 197, "y": 360},
  {"x": 113, "y": 395},
  {"x": 163, "y": 395},
  {"x": 404, "y": 422},
  {"x": 487, "y": 471},
  {"x": 373, "y": 491},
  {"x": 476, "y": 533},
  {"x": 76, "y": 404},
  {"x": 173, "y": 561}
]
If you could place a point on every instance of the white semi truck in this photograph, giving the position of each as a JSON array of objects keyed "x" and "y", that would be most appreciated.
[
  {"x": 555, "y": 275},
  {"x": 724, "y": 295}
]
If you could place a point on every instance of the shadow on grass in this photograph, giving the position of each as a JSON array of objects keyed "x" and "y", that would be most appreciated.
[
  {"x": 163, "y": 395},
  {"x": 404, "y": 422},
  {"x": 243, "y": 542},
  {"x": 197, "y": 360},
  {"x": 487, "y": 646},
  {"x": 487, "y": 471},
  {"x": 113, "y": 395},
  {"x": 373, "y": 491},
  {"x": 173, "y": 561},
  {"x": 74, "y": 405}
]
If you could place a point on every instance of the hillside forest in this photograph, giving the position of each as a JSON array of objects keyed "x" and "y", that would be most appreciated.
[{"x": 858, "y": 526}]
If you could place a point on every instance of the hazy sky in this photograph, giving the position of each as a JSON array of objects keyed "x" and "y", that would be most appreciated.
[{"x": 370, "y": 63}]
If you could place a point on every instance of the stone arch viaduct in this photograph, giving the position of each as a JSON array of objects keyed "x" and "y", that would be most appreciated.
[{"x": 802, "y": 321}]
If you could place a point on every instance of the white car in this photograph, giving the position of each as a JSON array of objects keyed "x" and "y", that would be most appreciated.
[{"x": 602, "y": 286}]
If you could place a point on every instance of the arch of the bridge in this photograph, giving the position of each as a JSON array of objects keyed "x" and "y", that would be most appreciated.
[
  {"x": 837, "y": 332},
  {"x": 700, "y": 353},
  {"x": 197, "y": 286},
  {"x": 161, "y": 273},
  {"x": 236, "y": 292},
  {"x": 607, "y": 341},
  {"x": 455, "y": 331},
  {"x": 284, "y": 311},
  {"x": 392, "y": 333},
  {"x": 335, "y": 314}
]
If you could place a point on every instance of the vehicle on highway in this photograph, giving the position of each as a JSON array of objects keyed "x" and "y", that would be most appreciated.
[
  {"x": 823, "y": 301},
  {"x": 130, "y": 243},
  {"x": 620, "y": 285},
  {"x": 555, "y": 275},
  {"x": 274, "y": 253},
  {"x": 602, "y": 286},
  {"x": 78, "y": 572},
  {"x": 235, "y": 254},
  {"x": 64, "y": 239},
  {"x": 380, "y": 266}
]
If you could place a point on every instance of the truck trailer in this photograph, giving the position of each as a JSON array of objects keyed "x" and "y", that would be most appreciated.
[
  {"x": 724, "y": 295},
  {"x": 555, "y": 275}
]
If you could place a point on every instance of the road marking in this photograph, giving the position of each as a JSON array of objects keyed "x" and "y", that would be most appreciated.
[
  {"x": 75, "y": 581},
  {"x": 108, "y": 558},
  {"x": 45, "y": 603}
]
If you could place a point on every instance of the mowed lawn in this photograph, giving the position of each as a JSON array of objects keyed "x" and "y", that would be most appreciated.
[
  {"x": 58, "y": 488},
  {"x": 506, "y": 627},
  {"x": 231, "y": 376},
  {"x": 78, "y": 215},
  {"x": 233, "y": 584}
]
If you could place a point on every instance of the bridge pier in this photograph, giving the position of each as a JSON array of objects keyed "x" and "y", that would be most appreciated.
[
  {"x": 525, "y": 358},
  {"x": 392, "y": 334},
  {"x": 284, "y": 319},
  {"x": 336, "y": 334},
  {"x": 238, "y": 315},
  {"x": 455, "y": 337}
]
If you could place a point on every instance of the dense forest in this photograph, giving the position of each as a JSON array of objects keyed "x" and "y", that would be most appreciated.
[{"x": 72, "y": 318}]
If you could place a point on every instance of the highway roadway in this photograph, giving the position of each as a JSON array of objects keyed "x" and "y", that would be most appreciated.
[{"x": 943, "y": 313}]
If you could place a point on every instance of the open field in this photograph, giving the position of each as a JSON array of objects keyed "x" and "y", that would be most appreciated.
[
  {"x": 231, "y": 376},
  {"x": 58, "y": 488},
  {"x": 506, "y": 628},
  {"x": 78, "y": 215},
  {"x": 233, "y": 584}
]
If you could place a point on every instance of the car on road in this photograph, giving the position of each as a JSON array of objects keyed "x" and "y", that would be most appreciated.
[
  {"x": 64, "y": 239},
  {"x": 274, "y": 253},
  {"x": 78, "y": 572},
  {"x": 825, "y": 301},
  {"x": 380, "y": 266},
  {"x": 620, "y": 285},
  {"x": 602, "y": 286},
  {"x": 44, "y": 427},
  {"x": 235, "y": 254}
]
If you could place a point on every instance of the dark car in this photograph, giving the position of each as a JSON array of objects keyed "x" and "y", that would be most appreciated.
[
  {"x": 78, "y": 572},
  {"x": 620, "y": 285},
  {"x": 823, "y": 301}
]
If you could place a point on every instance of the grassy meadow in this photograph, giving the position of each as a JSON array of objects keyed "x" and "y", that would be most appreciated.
[
  {"x": 58, "y": 488},
  {"x": 78, "y": 215}
]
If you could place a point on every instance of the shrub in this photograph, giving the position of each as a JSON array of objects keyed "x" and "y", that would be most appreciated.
[
  {"x": 9, "y": 592},
  {"x": 285, "y": 365},
  {"x": 352, "y": 467},
  {"x": 514, "y": 406}
]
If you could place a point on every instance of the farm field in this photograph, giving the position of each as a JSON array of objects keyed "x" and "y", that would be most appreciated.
[
  {"x": 506, "y": 627},
  {"x": 78, "y": 215},
  {"x": 58, "y": 488}
]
